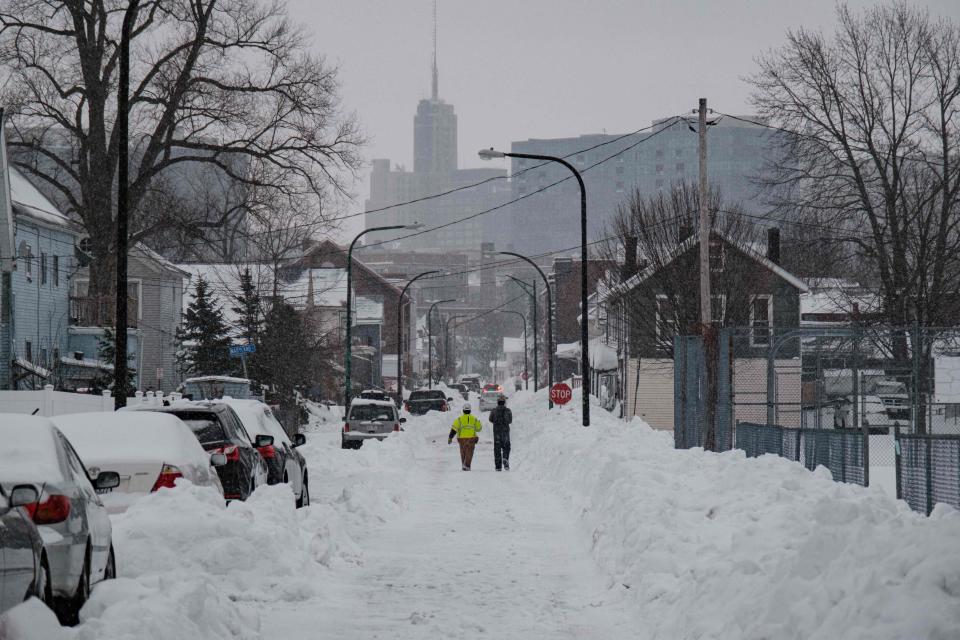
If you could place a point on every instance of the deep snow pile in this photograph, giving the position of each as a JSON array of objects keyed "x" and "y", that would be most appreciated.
[
  {"x": 721, "y": 546},
  {"x": 192, "y": 567}
]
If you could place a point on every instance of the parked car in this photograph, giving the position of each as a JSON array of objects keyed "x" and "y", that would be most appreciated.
[
  {"x": 462, "y": 388},
  {"x": 488, "y": 399},
  {"x": 423, "y": 400},
  {"x": 284, "y": 462},
  {"x": 68, "y": 511},
  {"x": 219, "y": 430},
  {"x": 24, "y": 571},
  {"x": 150, "y": 451},
  {"x": 473, "y": 381},
  {"x": 492, "y": 386},
  {"x": 369, "y": 419}
]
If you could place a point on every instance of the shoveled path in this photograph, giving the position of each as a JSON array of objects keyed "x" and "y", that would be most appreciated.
[{"x": 477, "y": 554}]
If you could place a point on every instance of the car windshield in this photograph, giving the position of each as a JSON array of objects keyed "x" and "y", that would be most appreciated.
[
  {"x": 427, "y": 395},
  {"x": 374, "y": 412},
  {"x": 205, "y": 426},
  {"x": 374, "y": 395}
]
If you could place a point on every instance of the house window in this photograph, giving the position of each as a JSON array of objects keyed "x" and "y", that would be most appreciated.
[
  {"x": 718, "y": 257},
  {"x": 718, "y": 309},
  {"x": 28, "y": 351},
  {"x": 43, "y": 358},
  {"x": 29, "y": 260},
  {"x": 619, "y": 187},
  {"x": 659, "y": 169},
  {"x": 761, "y": 320},
  {"x": 666, "y": 321},
  {"x": 43, "y": 268},
  {"x": 56, "y": 271}
]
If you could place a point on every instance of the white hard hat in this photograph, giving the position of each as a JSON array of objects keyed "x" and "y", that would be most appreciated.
[{"x": 466, "y": 406}]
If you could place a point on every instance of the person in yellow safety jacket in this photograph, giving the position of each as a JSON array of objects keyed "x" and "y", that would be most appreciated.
[{"x": 466, "y": 427}]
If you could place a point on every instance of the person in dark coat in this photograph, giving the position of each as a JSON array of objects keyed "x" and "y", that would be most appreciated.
[{"x": 501, "y": 417}]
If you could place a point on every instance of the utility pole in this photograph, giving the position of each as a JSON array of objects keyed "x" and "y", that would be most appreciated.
[
  {"x": 120, "y": 374},
  {"x": 706, "y": 312}
]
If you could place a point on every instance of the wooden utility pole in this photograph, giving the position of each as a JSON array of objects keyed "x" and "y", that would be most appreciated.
[
  {"x": 120, "y": 390},
  {"x": 706, "y": 311}
]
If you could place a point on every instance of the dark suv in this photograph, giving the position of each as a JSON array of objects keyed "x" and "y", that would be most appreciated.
[{"x": 219, "y": 430}]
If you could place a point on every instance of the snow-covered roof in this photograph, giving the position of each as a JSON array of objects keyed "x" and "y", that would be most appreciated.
[
  {"x": 512, "y": 345},
  {"x": 35, "y": 369},
  {"x": 87, "y": 363},
  {"x": 329, "y": 288},
  {"x": 368, "y": 310},
  {"x": 693, "y": 241},
  {"x": 33, "y": 203},
  {"x": 224, "y": 281}
]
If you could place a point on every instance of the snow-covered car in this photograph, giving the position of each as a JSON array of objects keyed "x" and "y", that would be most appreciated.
[
  {"x": 369, "y": 419},
  {"x": 284, "y": 462},
  {"x": 24, "y": 572},
  {"x": 71, "y": 518},
  {"x": 488, "y": 400},
  {"x": 219, "y": 430},
  {"x": 149, "y": 450}
]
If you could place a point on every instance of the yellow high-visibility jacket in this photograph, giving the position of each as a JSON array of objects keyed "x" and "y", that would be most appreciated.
[{"x": 467, "y": 426}]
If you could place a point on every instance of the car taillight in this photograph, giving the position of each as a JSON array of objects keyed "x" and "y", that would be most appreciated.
[
  {"x": 232, "y": 452},
  {"x": 396, "y": 426},
  {"x": 50, "y": 511},
  {"x": 346, "y": 427},
  {"x": 167, "y": 478},
  {"x": 406, "y": 405},
  {"x": 443, "y": 406},
  {"x": 268, "y": 451}
]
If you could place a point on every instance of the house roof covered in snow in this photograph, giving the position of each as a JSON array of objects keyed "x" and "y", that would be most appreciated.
[{"x": 27, "y": 200}]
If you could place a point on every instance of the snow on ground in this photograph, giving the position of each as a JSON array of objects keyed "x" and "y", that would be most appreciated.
[{"x": 600, "y": 532}]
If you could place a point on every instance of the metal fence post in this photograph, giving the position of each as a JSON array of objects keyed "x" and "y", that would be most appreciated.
[
  {"x": 929, "y": 478},
  {"x": 857, "y": 417},
  {"x": 898, "y": 459}
]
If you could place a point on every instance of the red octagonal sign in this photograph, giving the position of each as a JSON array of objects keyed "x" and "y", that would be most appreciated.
[{"x": 561, "y": 393}]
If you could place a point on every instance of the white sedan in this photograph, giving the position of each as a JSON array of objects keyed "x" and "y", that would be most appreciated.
[{"x": 149, "y": 450}]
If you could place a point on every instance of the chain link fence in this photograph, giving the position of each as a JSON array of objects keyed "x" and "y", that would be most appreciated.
[
  {"x": 928, "y": 470},
  {"x": 838, "y": 394}
]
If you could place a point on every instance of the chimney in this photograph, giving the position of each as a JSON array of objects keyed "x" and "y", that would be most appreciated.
[
  {"x": 629, "y": 267},
  {"x": 773, "y": 245}
]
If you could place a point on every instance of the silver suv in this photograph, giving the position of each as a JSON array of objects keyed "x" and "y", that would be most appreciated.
[{"x": 369, "y": 419}]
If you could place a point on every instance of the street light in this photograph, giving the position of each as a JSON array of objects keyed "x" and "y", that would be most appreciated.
[
  {"x": 525, "y": 372},
  {"x": 400, "y": 332},
  {"x": 490, "y": 154},
  {"x": 549, "y": 318},
  {"x": 447, "y": 342},
  {"x": 430, "y": 341},
  {"x": 347, "y": 356},
  {"x": 536, "y": 328}
]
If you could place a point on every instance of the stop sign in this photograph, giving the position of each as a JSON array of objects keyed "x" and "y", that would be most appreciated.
[
  {"x": 561, "y": 393},
  {"x": 524, "y": 375}
]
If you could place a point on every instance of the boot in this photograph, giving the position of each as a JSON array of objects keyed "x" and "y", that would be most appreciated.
[{"x": 506, "y": 465}]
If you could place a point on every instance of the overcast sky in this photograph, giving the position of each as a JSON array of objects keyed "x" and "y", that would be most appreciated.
[{"x": 518, "y": 69}]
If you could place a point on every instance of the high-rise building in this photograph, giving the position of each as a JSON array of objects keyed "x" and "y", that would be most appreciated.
[
  {"x": 650, "y": 162},
  {"x": 458, "y": 228}
]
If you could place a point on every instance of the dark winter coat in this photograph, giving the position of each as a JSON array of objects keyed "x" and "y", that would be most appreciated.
[{"x": 501, "y": 417}]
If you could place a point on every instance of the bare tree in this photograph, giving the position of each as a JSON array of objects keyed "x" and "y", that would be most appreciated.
[
  {"x": 224, "y": 84},
  {"x": 875, "y": 154}
]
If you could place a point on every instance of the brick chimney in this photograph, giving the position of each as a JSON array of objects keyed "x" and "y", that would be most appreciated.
[{"x": 773, "y": 245}]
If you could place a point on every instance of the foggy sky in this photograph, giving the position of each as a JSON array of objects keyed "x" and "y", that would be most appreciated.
[{"x": 518, "y": 69}]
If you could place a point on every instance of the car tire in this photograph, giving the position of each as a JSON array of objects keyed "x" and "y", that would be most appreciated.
[
  {"x": 110, "y": 571},
  {"x": 42, "y": 590},
  {"x": 304, "y": 499},
  {"x": 68, "y": 609}
]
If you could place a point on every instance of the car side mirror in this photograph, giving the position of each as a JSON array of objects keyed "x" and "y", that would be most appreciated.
[
  {"x": 107, "y": 480},
  {"x": 403, "y": 419},
  {"x": 218, "y": 459},
  {"x": 262, "y": 441},
  {"x": 449, "y": 399},
  {"x": 24, "y": 494},
  {"x": 299, "y": 440}
]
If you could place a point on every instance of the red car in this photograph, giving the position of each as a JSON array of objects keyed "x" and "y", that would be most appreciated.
[{"x": 493, "y": 386}]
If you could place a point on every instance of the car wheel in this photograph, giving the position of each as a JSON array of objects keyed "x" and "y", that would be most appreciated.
[
  {"x": 42, "y": 589},
  {"x": 110, "y": 571},
  {"x": 304, "y": 499},
  {"x": 68, "y": 610}
]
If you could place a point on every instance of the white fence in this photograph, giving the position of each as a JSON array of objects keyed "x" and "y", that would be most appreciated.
[{"x": 48, "y": 402}]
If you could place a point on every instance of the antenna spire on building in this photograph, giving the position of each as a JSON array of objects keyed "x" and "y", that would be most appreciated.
[{"x": 436, "y": 75}]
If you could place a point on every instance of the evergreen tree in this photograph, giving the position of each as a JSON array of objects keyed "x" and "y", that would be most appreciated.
[
  {"x": 285, "y": 355},
  {"x": 105, "y": 353},
  {"x": 203, "y": 336},
  {"x": 249, "y": 309}
]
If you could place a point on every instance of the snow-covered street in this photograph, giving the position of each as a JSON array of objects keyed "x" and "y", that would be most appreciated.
[{"x": 606, "y": 532}]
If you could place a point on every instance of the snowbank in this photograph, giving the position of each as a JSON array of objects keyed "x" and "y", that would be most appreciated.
[{"x": 721, "y": 546}]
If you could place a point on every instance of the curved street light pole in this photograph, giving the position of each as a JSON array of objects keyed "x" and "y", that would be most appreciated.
[
  {"x": 550, "y": 347},
  {"x": 348, "y": 352},
  {"x": 430, "y": 341},
  {"x": 536, "y": 330},
  {"x": 400, "y": 332},
  {"x": 524, "y": 318},
  {"x": 488, "y": 154}
]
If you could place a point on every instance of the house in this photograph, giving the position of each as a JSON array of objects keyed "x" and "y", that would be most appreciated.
[
  {"x": 564, "y": 279},
  {"x": 652, "y": 305},
  {"x": 375, "y": 306},
  {"x": 155, "y": 302}
]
